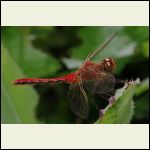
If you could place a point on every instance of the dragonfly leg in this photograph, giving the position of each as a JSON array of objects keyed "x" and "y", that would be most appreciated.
[
  {"x": 106, "y": 96},
  {"x": 121, "y": 81}
]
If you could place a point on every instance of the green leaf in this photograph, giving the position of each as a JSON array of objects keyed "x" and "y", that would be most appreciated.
[
  {"x": 18, "y": 103},
  {"x": 142, "y": 107},
  {"x": 144, "y": 86},
  {"x": 145, "y": 48},
  {"x": 32, "y": 61},
  {"x": 93, "y": 37},
  {"x": 137, "y": 33},
  {"x": 121, "y": 111}
]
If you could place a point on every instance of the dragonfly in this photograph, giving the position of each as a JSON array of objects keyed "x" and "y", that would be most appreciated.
[{"x": 95, "y": 77}]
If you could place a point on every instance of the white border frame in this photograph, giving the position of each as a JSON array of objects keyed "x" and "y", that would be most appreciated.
[
  {"x": 51, "y": 13},
  {"x": 75, "y": 13}
]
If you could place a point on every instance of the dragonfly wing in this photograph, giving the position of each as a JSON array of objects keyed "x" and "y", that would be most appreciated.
[
  {"x": 78, "y": 100},
  {"x": 101, "y": 84}
]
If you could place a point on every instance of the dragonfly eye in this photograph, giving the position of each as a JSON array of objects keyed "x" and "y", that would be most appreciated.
[{"x": 108, "y": 64}]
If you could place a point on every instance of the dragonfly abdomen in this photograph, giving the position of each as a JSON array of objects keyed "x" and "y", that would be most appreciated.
[
  {"x": 37, "y": 81},
  {"x": 30, "y": 81}
]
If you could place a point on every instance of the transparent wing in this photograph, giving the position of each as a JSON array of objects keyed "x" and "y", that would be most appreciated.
[
  {"x": 100, "y": 83},
  {"x": 78, "y": 100}
]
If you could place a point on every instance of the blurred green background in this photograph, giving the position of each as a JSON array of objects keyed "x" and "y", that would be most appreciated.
[{"x": 49, "y": 51}]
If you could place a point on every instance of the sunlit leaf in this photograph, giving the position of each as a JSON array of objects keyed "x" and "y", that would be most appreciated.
[
  {"x": 121, "y": 111},
  {"x": 144, "y": 86},
  {"x": 32, "y": 61},
  {"x": 18, "y": 103}
]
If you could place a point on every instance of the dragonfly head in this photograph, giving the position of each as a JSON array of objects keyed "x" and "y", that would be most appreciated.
[{"x": 108, "y": 64}]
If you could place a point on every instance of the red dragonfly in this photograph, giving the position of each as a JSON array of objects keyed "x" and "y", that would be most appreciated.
[{"x": 95, "y": 77}]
